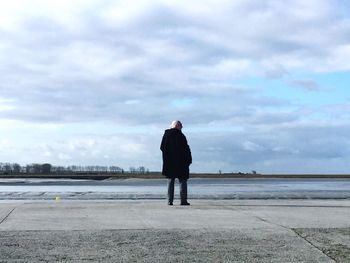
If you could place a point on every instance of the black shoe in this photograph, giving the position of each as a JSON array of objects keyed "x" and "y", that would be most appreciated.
[
  {"x": 185, "y": 203},
  {"x": 170, "y": 203}
]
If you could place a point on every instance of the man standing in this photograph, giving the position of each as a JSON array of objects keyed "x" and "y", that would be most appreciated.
[{"x": 176, "y": 160}]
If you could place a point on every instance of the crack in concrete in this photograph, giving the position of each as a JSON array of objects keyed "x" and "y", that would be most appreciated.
[
  {"x": 291, "y": 229},
  {"x": 304, "y": 238},
  {"x": 272, "y": 223},
  {"x": 3, "y": 220}
]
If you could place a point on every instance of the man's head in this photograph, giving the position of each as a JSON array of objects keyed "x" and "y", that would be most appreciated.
[{"x": 176, "y": 125}]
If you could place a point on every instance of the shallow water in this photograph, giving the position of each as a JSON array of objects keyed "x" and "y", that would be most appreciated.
[{"x": 156, "y": 188}]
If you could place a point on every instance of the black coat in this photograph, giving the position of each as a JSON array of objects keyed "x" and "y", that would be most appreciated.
[{"x": 176, "y": 154}]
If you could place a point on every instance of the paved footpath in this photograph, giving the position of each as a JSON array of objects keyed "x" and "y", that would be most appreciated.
[{"x": 151, "y": 231}]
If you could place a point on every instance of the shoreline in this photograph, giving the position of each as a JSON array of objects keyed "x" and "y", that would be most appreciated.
[{"x": 159, "y": 176}]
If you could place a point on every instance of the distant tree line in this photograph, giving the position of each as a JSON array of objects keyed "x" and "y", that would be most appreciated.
[{"x": 46, "y": 168}]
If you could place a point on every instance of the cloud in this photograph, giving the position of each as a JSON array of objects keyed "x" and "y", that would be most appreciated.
[
  {"x": 276, "y": 72},
  {"x": 251, "y": 146},
  {"x": 309, "y": 85},
  {"x": 107, "y": 65},
  {"x": 299, "y": 149}
]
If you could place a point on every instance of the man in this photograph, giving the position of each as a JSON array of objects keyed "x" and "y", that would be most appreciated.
[{"x": 176, "y": 160}]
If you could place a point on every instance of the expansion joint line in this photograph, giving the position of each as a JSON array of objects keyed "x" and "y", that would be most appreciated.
[
  {"x": 3, "y": 220},
  {"x": 313, "y": 245},
  {"x": 272, "y": 223}
]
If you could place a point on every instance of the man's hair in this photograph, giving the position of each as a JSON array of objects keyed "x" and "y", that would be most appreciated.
[{"x": 174, "y": 124}]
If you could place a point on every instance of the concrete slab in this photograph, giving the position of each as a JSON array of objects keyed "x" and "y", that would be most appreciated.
[
  {"x": 334, "y": 242},
  {"x": 5, "y": 211},
  {"x": 67, "y": 215},
  {"x": 125, "y": 215},
  {"x": 157, "y": 246},
  {"x": 151, "y": 231}
]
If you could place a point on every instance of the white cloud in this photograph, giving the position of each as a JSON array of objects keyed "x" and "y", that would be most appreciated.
[
  {"x": 251, "y": 146},
  {"x": 64, "y": 157},
  {"x": 339, "y": 59},
  {"x": 72, "y": 72},
  {"x": 6, "y": 104}
]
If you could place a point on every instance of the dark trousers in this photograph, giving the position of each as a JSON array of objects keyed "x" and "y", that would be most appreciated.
[{"x": 183, "y": 190}]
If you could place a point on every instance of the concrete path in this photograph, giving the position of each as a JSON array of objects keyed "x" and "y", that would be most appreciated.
[{"x": 151, "y": 231}]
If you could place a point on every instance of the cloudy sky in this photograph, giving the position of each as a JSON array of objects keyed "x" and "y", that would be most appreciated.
[{"x": 258, "y": 85}]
